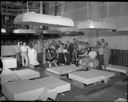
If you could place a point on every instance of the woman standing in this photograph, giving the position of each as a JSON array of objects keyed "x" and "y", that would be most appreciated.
[{"x": 32, "y": 56}]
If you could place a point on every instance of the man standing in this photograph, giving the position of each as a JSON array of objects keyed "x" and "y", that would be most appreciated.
[
  {"x": 69, "y": 52},
  {"x": 18, "y": 53},
  {"x": 106, "y": 55},
  {"x": 24, "y": 54},
  {"x": 75, "y": 49},
  {"x": 100, "y": 56},
  {"x": 39, "y": 48}
]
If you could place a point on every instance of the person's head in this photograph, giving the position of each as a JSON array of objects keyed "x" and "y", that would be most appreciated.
[
  {"x": 21, "y": 42},
  {"x": 99, "y": 45},
  {"x": 74, "y": 40},
  {"x": 30, "y": 45},
  {"x": 64, "y": 46},
  {"x": 18, "y": 43},
  {"x": 61, "y": 45},
  {"x": 59, "y": 41},
  {"x": 92, "y": 48},
  {"x": 86, "y": 44},
  {"x": 98, "y": 42},
  {"x": 24, "y": 43},
  {"x": 48, "y": 51},
  {"x": 102, "y": 40},
  {"x": 67, "y": 42}
]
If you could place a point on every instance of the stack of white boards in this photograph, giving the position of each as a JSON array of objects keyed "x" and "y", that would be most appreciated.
[
  {"x": 9, "y": 62},
  {"x": 61, "y": 70},
  {"x": 91, "y": 76},
  {"x": 37, "y": 89},
  {"x": 117, "y": 68},
  {"x": 18, "y": 74}
]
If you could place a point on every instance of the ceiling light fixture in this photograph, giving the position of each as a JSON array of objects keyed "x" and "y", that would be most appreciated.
[
  {"x": 99, "y": 25},
  {"x": 24, "y": 31},
  {"x": 3, "y": 30}
]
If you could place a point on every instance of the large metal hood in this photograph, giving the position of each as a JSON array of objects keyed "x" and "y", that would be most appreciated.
[
  {"x": 24, "y": 31},
  {"x": 32, "y": 18},
  {"x": 98, "y": 25}
]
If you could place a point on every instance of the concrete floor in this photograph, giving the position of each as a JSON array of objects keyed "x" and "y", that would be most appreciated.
[{"x": 114, "y": 89}]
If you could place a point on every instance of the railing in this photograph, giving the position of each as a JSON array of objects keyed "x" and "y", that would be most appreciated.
[{"x": 119, "y": 57}]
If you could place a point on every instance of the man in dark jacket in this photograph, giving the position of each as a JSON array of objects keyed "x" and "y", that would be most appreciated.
[{"x": 69, "y": 48}]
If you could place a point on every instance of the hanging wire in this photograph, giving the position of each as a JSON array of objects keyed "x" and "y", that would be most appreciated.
[
  {"x": 88, "y": 11},
  {"x": 107, "y": 9},
  {"x": 41, "y": 7},
  {"x": 27, "y": 7},
  {"x": 62, "y": 9}
]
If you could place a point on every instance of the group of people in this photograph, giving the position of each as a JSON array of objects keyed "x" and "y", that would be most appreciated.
[
  {"x": 79, "y": 53},
  {"x": 63, "y": 53},
  {"x": 25, "y": 54}
]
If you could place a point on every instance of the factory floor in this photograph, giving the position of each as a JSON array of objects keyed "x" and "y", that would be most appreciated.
[{"x": 114, "y": 89}]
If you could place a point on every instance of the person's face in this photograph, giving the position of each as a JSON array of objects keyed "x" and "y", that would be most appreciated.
[
  {"x": 67, "y": 42},
  {"x": 61, "y": 45},
  {"x": 24, "y": 43},
  {"x": 18, "y": 43},
  {"x": 102, "y": 40},
  {"x": 100, "y": 46},
  {"x": 98, "y": 42}
]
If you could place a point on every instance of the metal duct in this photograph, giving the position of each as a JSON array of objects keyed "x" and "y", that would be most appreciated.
[{"x": 31, "y": 18}]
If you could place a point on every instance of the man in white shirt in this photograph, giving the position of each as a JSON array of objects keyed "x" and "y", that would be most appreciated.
[{"x": 24, "y": 54}]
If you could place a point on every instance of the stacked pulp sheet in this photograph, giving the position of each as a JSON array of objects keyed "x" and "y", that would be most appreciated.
[
  {"x": 9, "y": 62},
  {"x": 22, "y": 90},
  {"x": 27, "y": 74},
  {"x": 10, "y": 75},
  {"x": 34, "y": 89},
  {"x": 54, "y": 84},
  {"x": 63, "y": 69},
  {"x": 118, "y": 68},
  {"x": 91, "y": 76}
]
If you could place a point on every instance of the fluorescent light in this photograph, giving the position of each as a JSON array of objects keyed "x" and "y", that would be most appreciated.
[
  {"x": 90, "y": 24},
  {"x": 43, "y": 19},
  {"x": 3, "y": 30},
  {"x": 29, "y": 31}
]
